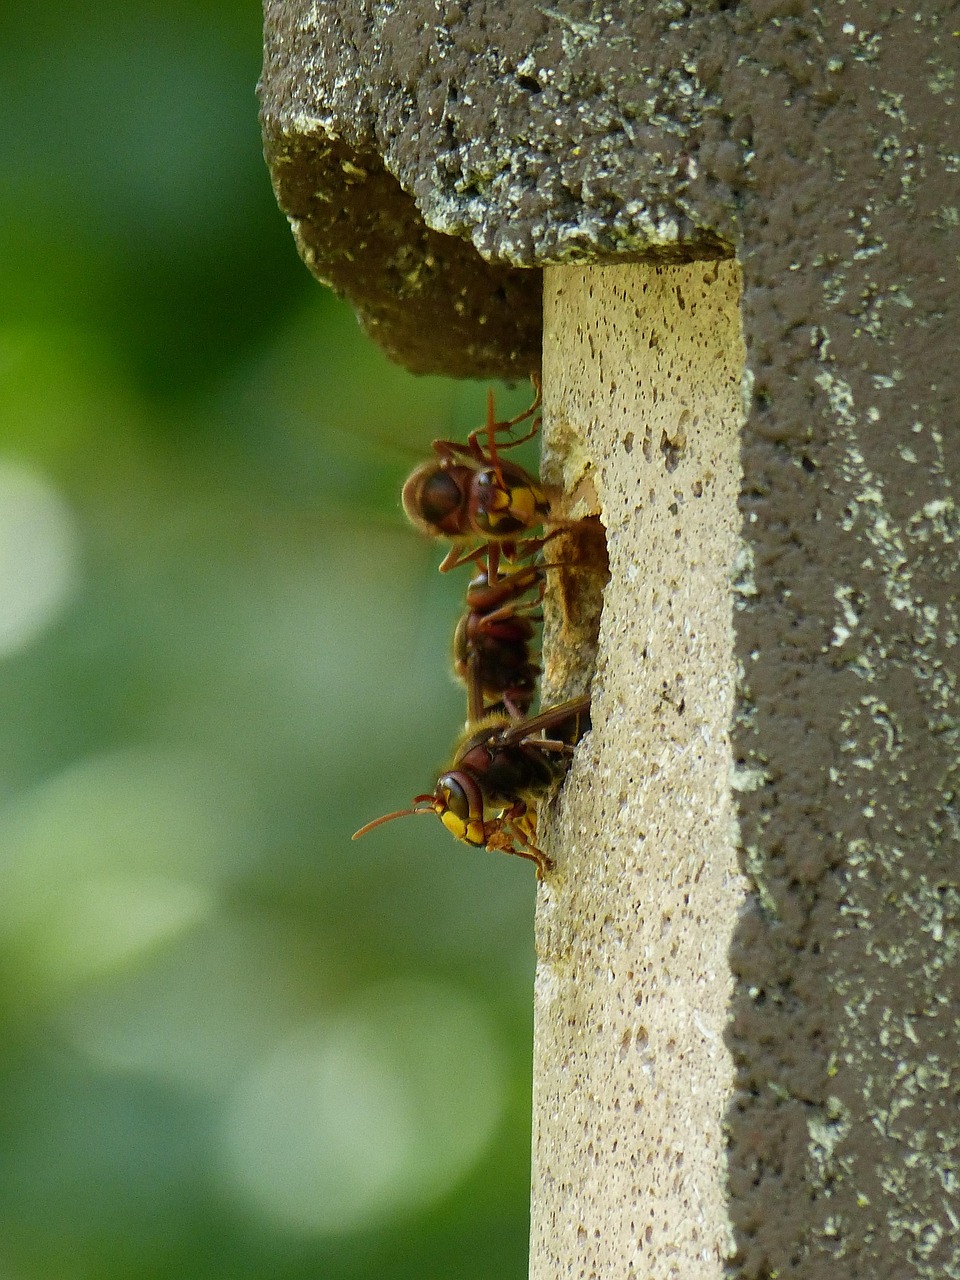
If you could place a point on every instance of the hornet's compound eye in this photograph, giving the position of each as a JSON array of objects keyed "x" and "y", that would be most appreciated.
[
  {"x": 454, "y": 797},
  {"x": 460, "y": 811}
]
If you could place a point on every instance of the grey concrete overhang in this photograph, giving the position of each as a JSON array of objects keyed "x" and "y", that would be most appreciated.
[{"x": 433, "y": 155}]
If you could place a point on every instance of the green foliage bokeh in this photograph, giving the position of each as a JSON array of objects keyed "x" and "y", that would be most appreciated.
[{"x": 234, "y": 1043}]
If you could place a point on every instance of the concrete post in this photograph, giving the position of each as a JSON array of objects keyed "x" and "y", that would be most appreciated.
[{"x": 433, "y": 168}]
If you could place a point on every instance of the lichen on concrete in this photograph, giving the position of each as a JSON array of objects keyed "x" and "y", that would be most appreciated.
[{"x": 849, "y": 702}]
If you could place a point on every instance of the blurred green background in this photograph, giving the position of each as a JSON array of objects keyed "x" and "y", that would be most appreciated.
[{"x": 234, "y": 1044}]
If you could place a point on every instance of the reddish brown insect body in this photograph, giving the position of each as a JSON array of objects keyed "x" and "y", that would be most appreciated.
[
  {"x": 471, "y": 496},
  {"x": 492, "y": 642},
  {"x": 501, "y": 769}
]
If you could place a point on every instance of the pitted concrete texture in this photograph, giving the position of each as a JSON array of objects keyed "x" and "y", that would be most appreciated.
[{"x": 642, "y": 378}]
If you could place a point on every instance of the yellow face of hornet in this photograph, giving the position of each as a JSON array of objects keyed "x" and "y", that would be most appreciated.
[{"x": 460, "y": 811}]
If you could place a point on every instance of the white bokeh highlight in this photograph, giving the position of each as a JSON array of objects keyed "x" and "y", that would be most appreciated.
[
  {"x": 355, "y": 1120},
  {"x": 112, "y": 858},
  {"x": 38, "y": 554}
]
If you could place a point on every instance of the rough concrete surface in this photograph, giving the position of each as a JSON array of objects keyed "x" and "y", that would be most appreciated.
[
  {"x": 642, "y": 375},
  {"x": 401, "y": 135},
  {"x": 426, "y": 298},
  {"x": 818, "y": 143}
]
